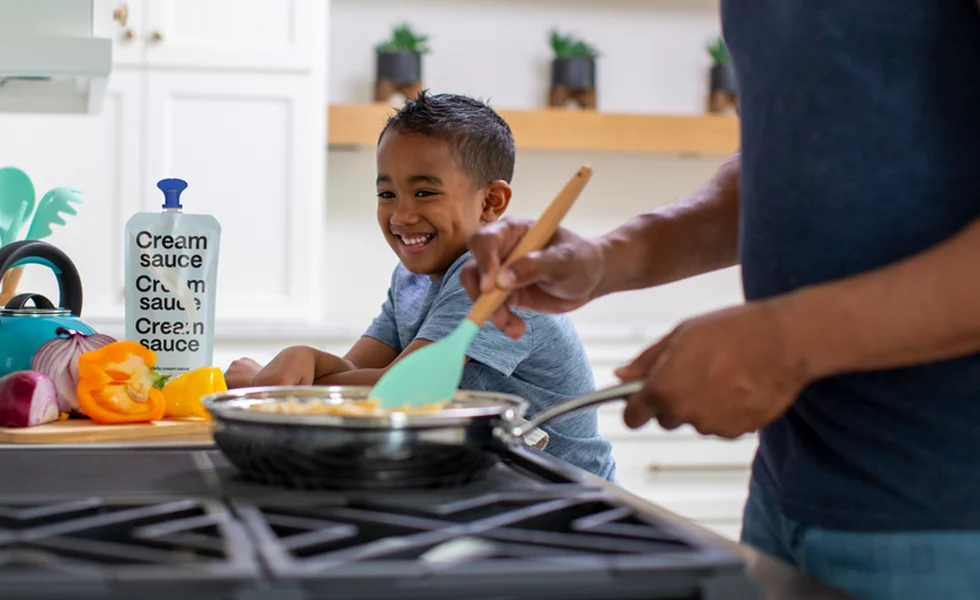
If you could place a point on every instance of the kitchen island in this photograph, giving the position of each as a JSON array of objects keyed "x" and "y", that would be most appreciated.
[{"x": 171, "y": 517}]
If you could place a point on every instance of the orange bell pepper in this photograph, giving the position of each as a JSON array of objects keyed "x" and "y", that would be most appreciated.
[{"x": 117, "y": 384}]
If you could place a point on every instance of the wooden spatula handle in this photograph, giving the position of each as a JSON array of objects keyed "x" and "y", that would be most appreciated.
[
  {"x": 535, "y": 239},
  {"x": 9, "y": 287}
]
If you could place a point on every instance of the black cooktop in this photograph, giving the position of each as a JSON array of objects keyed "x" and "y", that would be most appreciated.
[{"x": 141, "y": 523}]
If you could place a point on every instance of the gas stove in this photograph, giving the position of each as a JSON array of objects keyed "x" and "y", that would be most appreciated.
[{"x": 181, "y": 523}]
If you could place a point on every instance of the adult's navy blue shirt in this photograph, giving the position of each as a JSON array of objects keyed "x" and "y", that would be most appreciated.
[{"x": 861, "y": 147}]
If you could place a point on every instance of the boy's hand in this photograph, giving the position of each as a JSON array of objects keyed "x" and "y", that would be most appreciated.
[
  {"x": 293, "y": 366},
  {"x": 241, "y": 373},
  {"x": 559, "y": 278}
]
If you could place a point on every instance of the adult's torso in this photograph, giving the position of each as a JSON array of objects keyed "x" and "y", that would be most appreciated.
[{"x": 861, "y": 146}]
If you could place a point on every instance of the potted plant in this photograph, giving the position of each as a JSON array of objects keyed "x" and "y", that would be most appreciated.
[
  {"x": 572, "y": 71},
  {"x": 399, "y": 64},
  {"x": 723, "y": 95}
]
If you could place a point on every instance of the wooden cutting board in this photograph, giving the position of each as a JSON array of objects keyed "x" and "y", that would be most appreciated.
[{"x": 84, "y": 430}]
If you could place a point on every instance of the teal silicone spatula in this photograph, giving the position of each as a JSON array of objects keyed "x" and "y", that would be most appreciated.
[
  {"x": 16, "y": 202},
  {"x": 431, "y": 374},
  {"x": 51, "y": 210}
]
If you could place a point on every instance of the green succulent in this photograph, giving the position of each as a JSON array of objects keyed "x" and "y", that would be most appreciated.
[
  {"x": 719, "y": 52},
  {"x": 568, "y": 46},
  {"x": 403, "y": 39}
]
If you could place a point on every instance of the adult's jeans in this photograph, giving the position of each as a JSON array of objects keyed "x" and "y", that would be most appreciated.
[{"x": 886, "y": 565}]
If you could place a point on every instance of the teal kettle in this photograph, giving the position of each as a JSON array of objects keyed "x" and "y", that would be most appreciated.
[{"x": 23, "y": 328}]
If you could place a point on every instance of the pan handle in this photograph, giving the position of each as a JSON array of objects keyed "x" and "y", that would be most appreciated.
[{"x": 609, "y": 394}]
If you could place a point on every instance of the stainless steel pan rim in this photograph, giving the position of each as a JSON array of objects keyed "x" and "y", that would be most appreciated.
[
  {"x": 401, "y": 450},
  {"x": 234, "y": 405}
]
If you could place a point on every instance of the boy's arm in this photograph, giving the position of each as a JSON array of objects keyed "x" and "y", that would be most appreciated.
[
  {"x": 490, "y": 347},
  {"x": 370, "y": 353},
  {"x": 304, "y": 365},
  {"x": 371, "y": 375}
]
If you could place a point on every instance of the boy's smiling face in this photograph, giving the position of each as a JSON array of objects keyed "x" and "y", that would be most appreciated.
[{"x": 428, "y": 206}]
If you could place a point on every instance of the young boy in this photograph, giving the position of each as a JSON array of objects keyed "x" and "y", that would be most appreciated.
[{"x": 445, "y": 164}]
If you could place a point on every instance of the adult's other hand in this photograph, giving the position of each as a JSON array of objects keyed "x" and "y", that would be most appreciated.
[
  {"x": 559, "y": 278},
  {"x": 726, "y": 373}
]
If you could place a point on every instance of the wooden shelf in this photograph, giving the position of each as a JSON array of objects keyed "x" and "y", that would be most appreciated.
[{"x": 359, "y": 125}]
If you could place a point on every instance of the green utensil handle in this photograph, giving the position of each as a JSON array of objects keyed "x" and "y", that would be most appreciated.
[{"x": 535, "y": 239}]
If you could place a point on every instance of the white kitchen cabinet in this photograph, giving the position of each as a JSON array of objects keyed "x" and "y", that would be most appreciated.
[
  {"x": 243, "y": 34},
  {"x": 240, "y": 118},
  {"x": 122, "y": 22},
  {"x": 277, "y": 35},
  {"x": 246, "y": 145},
  {"x": 100, "y": 156}
]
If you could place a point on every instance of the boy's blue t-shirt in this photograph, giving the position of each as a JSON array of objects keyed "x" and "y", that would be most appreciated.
[
  {"x": 860, "y": 147},
  {"x": 546, "y": 366}
]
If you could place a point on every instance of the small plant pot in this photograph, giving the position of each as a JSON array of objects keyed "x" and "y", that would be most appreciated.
[
  {"x": 397, "y": 73},
  {"x": 400, "y": 67},
  {"x": 576, "y": 74},
  {"x": 723, "y": 89},
  {"x": 723, "y": 78},
  {"x": 573, "y": 79}
]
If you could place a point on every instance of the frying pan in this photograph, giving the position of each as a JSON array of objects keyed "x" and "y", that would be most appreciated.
[{"x": 446, "y": 447}]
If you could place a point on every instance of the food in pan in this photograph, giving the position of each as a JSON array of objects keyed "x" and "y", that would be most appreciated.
[{"x": 356, "y": 408}]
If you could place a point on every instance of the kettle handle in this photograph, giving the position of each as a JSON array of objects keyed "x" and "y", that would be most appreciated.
[
  {"x": 20, "y": 301},
  {"x": 43, "y": 253}
]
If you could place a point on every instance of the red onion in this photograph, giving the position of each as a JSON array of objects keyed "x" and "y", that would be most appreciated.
[
  {"x": 27, "y": 398},
  {"x": 58, "y": 359}
]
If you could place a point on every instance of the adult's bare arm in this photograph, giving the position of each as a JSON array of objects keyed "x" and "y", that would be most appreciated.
[
  {"x": 689, "y": 237},
  {"x": 735, "y": 370},
  {"x": 920, "y": 309}
]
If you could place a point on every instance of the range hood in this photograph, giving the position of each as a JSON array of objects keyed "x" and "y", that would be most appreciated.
[{"x": 50, "y": 60}]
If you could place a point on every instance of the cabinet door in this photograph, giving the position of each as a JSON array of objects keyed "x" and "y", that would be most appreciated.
[
  {"x": 121, "y": 21},
  {"x": 98, "y": 154},
  {"x": 247, "y": 34},
  {"x": 252, "y": 150}
]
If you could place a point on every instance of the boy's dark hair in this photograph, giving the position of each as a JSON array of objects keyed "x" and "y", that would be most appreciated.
[{"x": 481, "y": 140}]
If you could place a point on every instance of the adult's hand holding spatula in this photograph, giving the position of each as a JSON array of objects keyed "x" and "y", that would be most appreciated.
[{"x": 432, "y": 374}]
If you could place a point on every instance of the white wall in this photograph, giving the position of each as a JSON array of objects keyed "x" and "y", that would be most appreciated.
[{"x": 652, "y": 52}]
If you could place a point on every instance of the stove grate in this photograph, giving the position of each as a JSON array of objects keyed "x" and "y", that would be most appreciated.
[
  {"x": 129, "y": 539},
  {"x": 318, "y": 540}
]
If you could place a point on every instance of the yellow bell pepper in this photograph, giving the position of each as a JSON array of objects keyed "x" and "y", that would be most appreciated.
[{"x": 183, "y": 393}]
